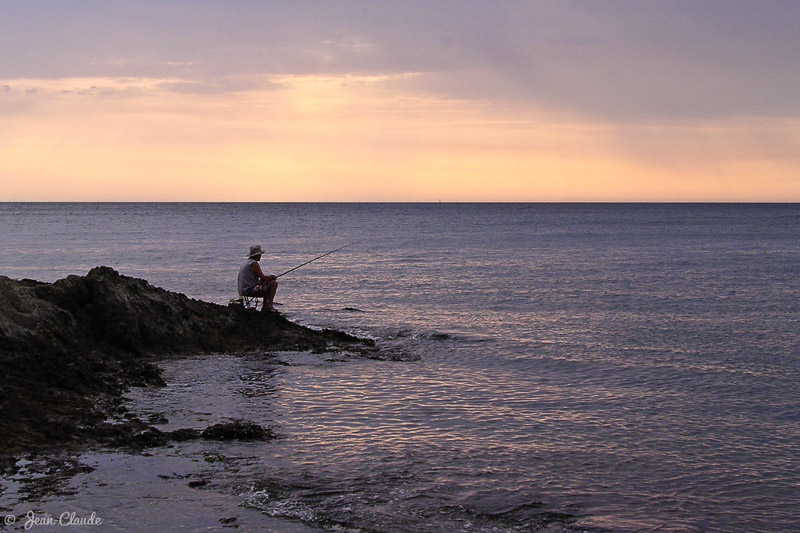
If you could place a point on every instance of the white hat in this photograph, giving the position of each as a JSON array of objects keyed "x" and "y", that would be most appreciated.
[{"x": 255, "y": 250}]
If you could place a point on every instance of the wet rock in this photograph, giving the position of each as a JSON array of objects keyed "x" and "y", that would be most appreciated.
[
  {"x": 138, "y": 434},
  {"x": 39, "y": 476},
  {"x": 157, "y": 418},
  {"x": 181, "y": 435},
  {"x": 236, "y": 430},
  {"x": 129, "y": 434}
]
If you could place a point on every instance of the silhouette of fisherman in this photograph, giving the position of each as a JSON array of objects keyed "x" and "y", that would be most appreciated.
[{"x": 253, "y": 282}]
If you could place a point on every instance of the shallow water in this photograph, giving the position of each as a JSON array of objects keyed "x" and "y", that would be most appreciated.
[{"x": 632, "y": 366}]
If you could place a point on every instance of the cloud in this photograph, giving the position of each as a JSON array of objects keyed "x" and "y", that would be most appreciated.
[
  {"x": 659, "y": 60},
  {"x": 603, "y": 59},
  {"x": 356, "y": 137},
  {"x": 401, "y": 101},
  {"x": 219, "y": 86}
]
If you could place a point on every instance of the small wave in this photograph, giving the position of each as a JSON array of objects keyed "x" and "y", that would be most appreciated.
[
  {"x": 291, "y": 509},
  {"x": 277, "y": 500},
  {"x": 417, "y": 335},
  {"x": 368, "y": 505},
  {"x": 310, "y": 358},
  {"x": 436, "y": 336}
]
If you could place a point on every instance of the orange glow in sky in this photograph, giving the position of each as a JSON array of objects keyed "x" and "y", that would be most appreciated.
[
  {"x": 480, "y": 119},
  {"x": 355, "y": 139}
]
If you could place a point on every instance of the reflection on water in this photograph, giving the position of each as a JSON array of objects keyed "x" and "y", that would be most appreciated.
[
  {"x": 365, "y": 441},
  {"x": 633, "y": 366},
  {"x": 359, "y": 446}
]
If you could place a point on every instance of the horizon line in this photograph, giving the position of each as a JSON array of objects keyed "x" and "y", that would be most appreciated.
[{"x": 422, "y": 202}]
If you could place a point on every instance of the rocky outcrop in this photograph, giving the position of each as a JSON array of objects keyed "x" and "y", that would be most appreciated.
[
  {"x": 136, "y": 433},
  {"x": 68, "y": 349}
]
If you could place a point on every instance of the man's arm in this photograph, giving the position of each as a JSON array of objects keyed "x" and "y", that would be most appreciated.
[{"x": 256, "y": 268}]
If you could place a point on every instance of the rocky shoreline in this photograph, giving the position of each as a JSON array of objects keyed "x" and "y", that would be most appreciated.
[{"x": 70, "y": 349}]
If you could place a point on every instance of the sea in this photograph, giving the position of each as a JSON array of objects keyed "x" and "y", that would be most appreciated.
[{"x": 546, "y": 367}]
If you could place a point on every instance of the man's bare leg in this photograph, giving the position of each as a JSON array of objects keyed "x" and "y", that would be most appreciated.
[{"x": 272, "y": 288}]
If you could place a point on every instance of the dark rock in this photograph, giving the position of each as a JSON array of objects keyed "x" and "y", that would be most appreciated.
[
  {"x": 181, "y": 435},
  {"x": 157, "y": 418},
  {"x": 136, "y": 433},
  {"x": 69, "y": 349},
  {"x": 129, "y": 434},
  {"x": 335, "y": 335},
  {"x": 237, "y": 430}
]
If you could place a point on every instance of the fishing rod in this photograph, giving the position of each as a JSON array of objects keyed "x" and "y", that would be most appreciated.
[{"x": 318, "y": 257}]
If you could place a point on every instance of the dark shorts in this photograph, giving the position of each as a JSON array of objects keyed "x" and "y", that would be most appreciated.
[{"x": 259, "y": 289}]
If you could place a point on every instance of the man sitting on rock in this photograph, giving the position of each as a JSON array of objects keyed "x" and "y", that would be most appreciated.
[{"x": 253, "y": 282}]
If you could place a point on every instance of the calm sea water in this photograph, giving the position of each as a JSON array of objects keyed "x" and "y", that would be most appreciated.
[{"x": 633, "y": 366}]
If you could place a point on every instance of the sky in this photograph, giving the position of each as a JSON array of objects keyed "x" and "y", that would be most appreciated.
[{"x": 409, "y": 100}]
